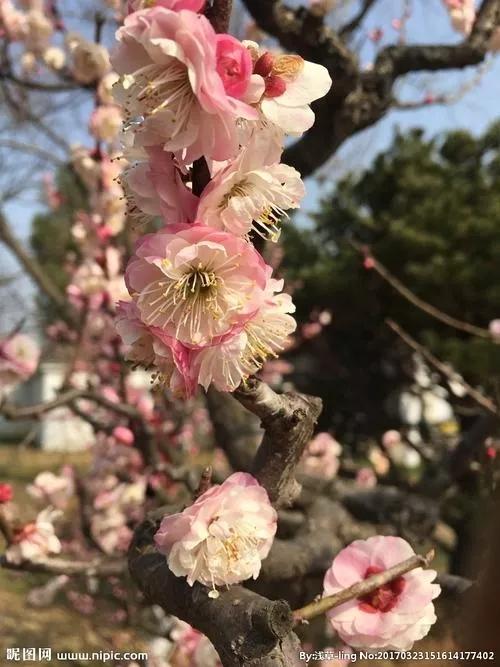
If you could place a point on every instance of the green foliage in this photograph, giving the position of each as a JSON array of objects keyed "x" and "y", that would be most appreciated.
[
  {"x": 430, "y": 211},
  {"x": 51, "y": 238}
]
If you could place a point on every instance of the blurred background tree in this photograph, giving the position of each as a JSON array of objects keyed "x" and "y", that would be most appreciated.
[{"x": 429, "y": 211}]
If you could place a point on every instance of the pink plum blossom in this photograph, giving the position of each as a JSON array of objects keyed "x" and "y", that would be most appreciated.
[
  {"x": 222, "y": 538},
  {"x": 494, "y": 325},
  {"x": 168, "y": 63},
  {"x": 196, "y": 283},
  {"x": 6, "y": 493},
  {"x": 35, "y": 541},
  {"x": 366, "y": 478},
  {"x": 252, "y": 193},
  {"x": 150, "y": 347},
  {"x": 391, "y": 438},
  {"x": 19, "y": 357},
  {"x": 231, "y": 360},
  {"x": 154, "y": 187},
  {"x": 396, "y": 614},
  {"x": 105, "y": 122},
  {"x": 90, "y": 60},
  {"x": 288, "y": 84},
  {"x": 124, "y": 435},
  {"x": 53, "y": 489},
  {"x": 321, "y": 456},
  {"x": 174, "y": 5},
  {"x": 234, "y": 65},
  {"x": 462, "y": 15},
  {"x": 192, "y": 647},
  {"x": 13, "y": 23}
]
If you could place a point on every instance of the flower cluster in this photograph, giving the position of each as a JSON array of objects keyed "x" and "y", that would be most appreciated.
[{"x": 205, "y": 308}]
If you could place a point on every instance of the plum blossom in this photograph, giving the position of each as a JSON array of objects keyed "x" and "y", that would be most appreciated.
[
  {"x": 494, "y": 325},
  {"x": 252, "y": 193},
  {"x": 19, "y": 357},
  {"x": 462, "y": 15},
  {"x": 230, "y": 361},
  {"x": 13, "y": 24},
  {"x": 285, "y": 85},
  {"x": 321, "y": 456},
  {"x": 396, "y": 614},
  {"x": 192, "y": 647},
  {"x": 123, "y": 435},
  {"x": 6, "y": 492},
  {"x": 53, "y": 489},
  {"x": 195, "y": 283},
  {"x": 105, "y": 122},
  {"x": 39, "y": 30},
  {"x": 35, "y": 540},
  {"x": 90, "y": 60},
  {"x": 222, "y": 538},
  {"x": 54, "y": 57},
  {"x": 366, "y": 478},
  {"x": 155, "y": 187},
  {"x": 174, "y": 5},
  {"x": 150, "y": 347},
  {"x": 169, "y": 66}
]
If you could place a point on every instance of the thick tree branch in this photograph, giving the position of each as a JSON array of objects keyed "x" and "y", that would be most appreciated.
[
  {"x": 218, "y": 13},
  {"x": 358, "y": 99},
  {"x": 236, "y": 431},
  {"x": 288, "y": 421},
  {"x": 245, "y": 628}
]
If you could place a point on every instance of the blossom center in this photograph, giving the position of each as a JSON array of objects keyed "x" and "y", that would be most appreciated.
[
  {"x": 162, "y": 88},
  {"x": 383, "y": 598}
]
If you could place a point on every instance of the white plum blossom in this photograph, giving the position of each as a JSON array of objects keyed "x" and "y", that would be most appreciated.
[
  {"x": 252, "y": 193},
  {"x": 223, "y": 537}
]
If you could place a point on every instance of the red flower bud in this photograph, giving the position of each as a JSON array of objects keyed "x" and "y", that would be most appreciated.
[
  {"x": 275, "y": 86},
  {"x": 6, "y": 493},
  {"x": 264, "y": 64}
]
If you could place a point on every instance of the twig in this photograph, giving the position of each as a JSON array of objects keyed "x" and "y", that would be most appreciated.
[
  {"x": 394, "y": 282},
  {"x": 98, "y": 567},
  {"x": 14, "y": 413},
  {"x": 361, "y": 588},
  {"x": 443, "y": 368},
  {"x": 356, "y": 21},
  {"x": 205, "y": 481}
]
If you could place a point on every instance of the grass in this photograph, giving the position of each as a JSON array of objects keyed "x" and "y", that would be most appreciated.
[{"x": 62, "y": 628}]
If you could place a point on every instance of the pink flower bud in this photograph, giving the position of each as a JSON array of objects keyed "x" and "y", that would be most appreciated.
[
  {"x": 275, "y": 86},
  {"x": 124, "y": 435},
  {"x": 264, "y": 64},
  {"x": 6, "y": 493}
]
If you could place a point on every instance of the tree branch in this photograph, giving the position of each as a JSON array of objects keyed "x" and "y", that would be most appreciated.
[
  {"x": 245, "y": 628},
  {"x": 98, "y": 567},
  {"x": 431, "y": 310},
  {"x": 31, "y": 266},
  {"x": 288, "y": 421},
  {"x": 482, "y": 400}
]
